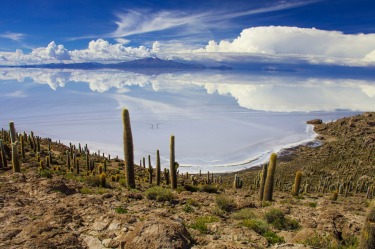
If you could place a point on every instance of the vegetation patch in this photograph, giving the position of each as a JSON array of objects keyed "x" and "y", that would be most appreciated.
[
  {"x": 243, "y": 214},
  {"x": 209, "y": 189},
  {"x": 225, "y": 203},
  {"x": 262, "y": 228},
  {"x": 200, "y": 223},
  {"x": 276, "y": 218},
  {"x": 159, "y": 194}
]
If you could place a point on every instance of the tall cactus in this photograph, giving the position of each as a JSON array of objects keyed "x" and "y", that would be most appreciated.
[
  {"x": 13, "y": 135},
  {"x": 150, "y": 170},
  {"x": 158, "y": 172},
  {"x": 3, "y": 156},
  {"x": 128, "y": 150},
  {"x": 297, "y": 183},
  {"x": 368, "y": 230},
  {"x": 15, "y": 161},
  {"x": 263, "y": 178},
  {"x": 173, "y": 168},
  {"x": 237, "y": 182},
  {"x": 268, "y": 187},
  {"x": 166, "y": 176}
]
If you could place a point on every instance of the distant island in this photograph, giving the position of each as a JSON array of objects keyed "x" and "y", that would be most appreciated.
[{"x": 146, "y": 63}]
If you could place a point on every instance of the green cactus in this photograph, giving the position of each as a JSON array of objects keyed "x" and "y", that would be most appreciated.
[
  {"x": 150, "y": 170},
  {"x": 103, "y": 180},
  {"x": 297, "y": 183},
  {"x": 128, "y": 150},
  {"x": 166, "y": 176},
  {"x": 158, "y": 171},
  {"x": 263, "y": 178},
  {"x": 68, "y": 159},
  {"x": 22, "y": 142},
  {"x": 15, "y": 161},
  {"x": 3, "y": 155},
  {"x": 13, "y": 134},
  {"x": 173, "y": 168},
  {"x": 47, "y": 162},
  {"x": 77, "y": 166},
  {"x": 268, "y": 186},
  {"x": 237, "y": 183},
  {"x": 144, "y": 162}
]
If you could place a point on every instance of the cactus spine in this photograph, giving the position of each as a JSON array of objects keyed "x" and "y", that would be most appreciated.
[
  {"x": 368, "y": 231},
  {"x": 158, "y": 168},
  {"x": 297, "y": 183},
  {"x": 263, "y": 178},
  {"x": 173, "y": 168},
  {"x": 128, "y": 150},
  {"x": 268, "y": 187}
]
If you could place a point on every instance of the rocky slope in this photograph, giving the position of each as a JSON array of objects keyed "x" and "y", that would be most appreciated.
[{"x": 57, "y": 208}]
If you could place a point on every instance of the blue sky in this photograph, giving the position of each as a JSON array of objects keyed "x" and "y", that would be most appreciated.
[{"x": 239, "y": 29}]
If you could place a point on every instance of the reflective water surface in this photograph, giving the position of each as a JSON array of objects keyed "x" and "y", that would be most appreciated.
[{"x": 222, "y": 120}]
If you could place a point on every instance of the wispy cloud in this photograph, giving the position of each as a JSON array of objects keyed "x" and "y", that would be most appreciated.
[
  {"x": 13, "y": 36},
  {"x": 135, "y": 22}
]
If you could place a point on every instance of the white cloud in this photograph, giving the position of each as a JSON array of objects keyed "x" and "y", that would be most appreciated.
[
  {"x": 100, "y": 50},
  {"x": 122, "y": 41},
  {"x": 13, "y": 36},
  {"x": 51, "y": 52},
  {"x": 317, "y": 45},
  {"x": 133, "y": 22}
]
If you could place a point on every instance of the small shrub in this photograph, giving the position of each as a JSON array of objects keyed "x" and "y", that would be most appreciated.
[
  {"x": 45, "y": 173},
  {"x": 313, "y": 204},
  {"x": 262, "y": 228},
  {"x": 120, "y": 210},
  {"x": 191, "y": 188},
  {"x": 209, "y": 189},
  {"x": 93, "y": 181},
  {"x": 256, "y": 225},
  {"x": 192, "y": 202},
  {"x": 159, "y": 194},
  {"x": 277, "y": 219},
  {"x": 218, "y": 212},
  {"x": 272, "y": 237},
  {"x": 200, "y": 223},
  {"x": 86, "y": 191},
  {"x": 187, "y": 208},
  {"x": 225, "y": 204},
  {"x": 243, "y": 214}
]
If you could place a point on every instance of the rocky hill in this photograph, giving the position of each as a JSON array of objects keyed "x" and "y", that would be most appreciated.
[{"x": 70, "y": 197}]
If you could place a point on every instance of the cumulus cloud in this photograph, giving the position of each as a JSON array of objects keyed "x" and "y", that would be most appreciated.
[{"x": 281, "y": 40}]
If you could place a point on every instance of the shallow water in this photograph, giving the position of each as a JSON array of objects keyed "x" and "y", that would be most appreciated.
[{"x": 222, "y": 121}]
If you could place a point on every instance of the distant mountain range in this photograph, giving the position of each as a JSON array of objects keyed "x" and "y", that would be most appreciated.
[{"x": 146, "y": 63}]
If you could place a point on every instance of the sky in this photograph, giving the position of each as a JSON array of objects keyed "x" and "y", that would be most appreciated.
[{"x": 339, "y": 32}]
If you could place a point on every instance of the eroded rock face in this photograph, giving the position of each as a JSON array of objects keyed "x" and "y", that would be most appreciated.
[{"x": 158, "y": 233}]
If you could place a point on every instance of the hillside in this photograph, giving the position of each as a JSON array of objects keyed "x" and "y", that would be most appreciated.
[{"x": 51, "y": 205}]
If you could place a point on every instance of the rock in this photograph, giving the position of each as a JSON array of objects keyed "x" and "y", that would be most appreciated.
[
  {"x": 158, "y": 233},
  {"x": 315, "y": 121}
]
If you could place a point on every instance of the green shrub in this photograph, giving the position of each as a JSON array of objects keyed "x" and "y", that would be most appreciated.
[
  {"x": 200, "y": 223},
  {"x": 192, "y": 202},
  {"x": 159, "y": 194},
  {"x": 263, "y": 229},
  {"x": 243, "y": 214},
  {"x": 209, "y": 189},
  {"x": 45, "y": 173},
  {"x": 187, "y": 208},
  {"x": 86, "y": 191},
  {"x": 120, "y": 210},
  {"x": 191, "y": 188},
  {"x": 93, "y": 181},
  {"x": 225, "y": 203},
  {"x": 277, "y": 218},
  {"x": 272, "y": 237},
  {"x": 256, "y": 225},
  {"x": 313, "y": 204}
]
